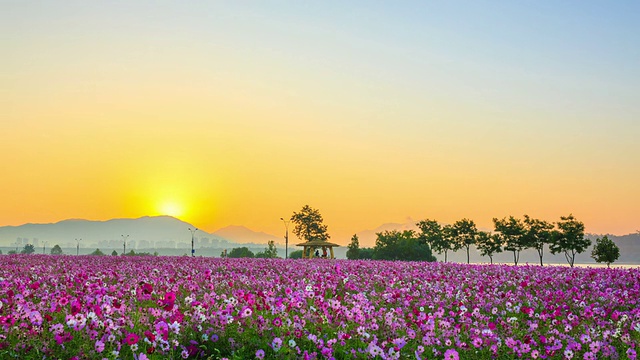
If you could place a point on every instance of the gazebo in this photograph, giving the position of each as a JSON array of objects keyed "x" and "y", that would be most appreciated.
[{"x": 309, "y": 249}]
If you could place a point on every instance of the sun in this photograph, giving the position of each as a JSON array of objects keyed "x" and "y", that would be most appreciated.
[{"x": 172, "y": 209}]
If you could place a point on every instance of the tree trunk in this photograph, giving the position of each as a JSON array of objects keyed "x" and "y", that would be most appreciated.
[
  {"x": 467, "y": 254},
  {"x": 515, "y": 259},
  {"x": 491, "y": 258},
  {"x": 445, "y": 256}
]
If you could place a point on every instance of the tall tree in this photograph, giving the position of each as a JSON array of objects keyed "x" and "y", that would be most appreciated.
[
  {"x": 353, "y": 252},
  {"x": 464, "y": 234},
  {"x": 511, "y": 233},
  {"x": 308, "y": 225},
  {"x": 488, "y": 244},
  {"x": 569, "y": 238},
  {"x": 430, "y": 231},
  {"x": 537, "y": 234},
  {"x": 605, "y": 251},
  {"x": 56, "y": 250}
]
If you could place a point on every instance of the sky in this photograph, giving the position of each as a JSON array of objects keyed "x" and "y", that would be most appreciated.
[{"x": 241, "y": 112}]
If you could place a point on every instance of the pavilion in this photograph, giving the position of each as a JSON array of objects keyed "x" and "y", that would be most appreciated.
[{"x": 309, "y": 248}]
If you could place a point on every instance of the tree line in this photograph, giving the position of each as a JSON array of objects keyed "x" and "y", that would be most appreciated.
[{"x": 512, "y": 234}]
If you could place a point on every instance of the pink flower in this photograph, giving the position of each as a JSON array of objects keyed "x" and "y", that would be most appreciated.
[
  {"x": 451, "y": 354},
  {"x": 131, "y": 339}
]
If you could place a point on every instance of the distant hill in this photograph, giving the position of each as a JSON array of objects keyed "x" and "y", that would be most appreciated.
[
  {"x": 149, "y": 230},
  {"x": 243, "y": 235}
]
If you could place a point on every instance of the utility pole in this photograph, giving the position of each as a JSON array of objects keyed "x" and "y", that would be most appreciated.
[
  {"x": 44, "y": 245},
  {"x": 124, "y": 244},
  {"x": 78, "y": 246},
  {"x": 193, "y": 231},
  {"x": 286, "y": 237}
]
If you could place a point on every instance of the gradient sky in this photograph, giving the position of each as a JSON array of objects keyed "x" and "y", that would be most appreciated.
[{"x": 241, "y": 112}]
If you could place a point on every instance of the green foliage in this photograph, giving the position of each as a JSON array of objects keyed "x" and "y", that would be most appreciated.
[
  {"x": 296, "y": 254},
  {"x": 114, "y": 253},
  {"x": 511, "y": 234},
  {"x": 28, "y": 249},
  {"x": 605, "y": 251},
  {"x": 569, "y": 238},
  {"x": 353, "y": 252},
  {"x": 308, "y": 225},
  {"x": 241, "y": 252},
  {"x": 436, "y": 236},
  {"x": 11, "y": 252},
  {"x": 270, "y": 252},
  {"x": 0, "y": 252},
  {"x": 367, "y": 253},
  {"x": 537, "y": 233},
  {"x": 464, "y": 234},
  {"x": 97, "y": 252},
  {"x": 56, "y": 250},
  {"x": 488, "y": 244},
  {"x": 395, "y": 245}
]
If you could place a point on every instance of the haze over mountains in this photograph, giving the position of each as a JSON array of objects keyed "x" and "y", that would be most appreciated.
[{"x": 166, "y": 232}]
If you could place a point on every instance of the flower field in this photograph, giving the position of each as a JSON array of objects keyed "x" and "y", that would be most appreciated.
[{"x": 115, "y": 307}]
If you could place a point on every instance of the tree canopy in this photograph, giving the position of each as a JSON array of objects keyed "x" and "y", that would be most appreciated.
[
  {"x": 241, "y": 252},
  {"x": 605, "y": 251},
  {"x": 28, "y": 249},
  {"x": 488, "y": 244},
  {"x": 308, "y": 225},
  {"x": 270, "y": 252},
  {"x": 569, "y": 238},
  {"x": 464, "y": 233},
  {"x": 56, "y": 250},
  {"x": 353, "y": 251},
  {"x": 405, "y": 245},
  {"x": 537, "y": 233},
  {"x": 511, "y": 234}
]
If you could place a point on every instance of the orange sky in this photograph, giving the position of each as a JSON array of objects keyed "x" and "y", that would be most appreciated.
[{"x": 242, "y": 115}]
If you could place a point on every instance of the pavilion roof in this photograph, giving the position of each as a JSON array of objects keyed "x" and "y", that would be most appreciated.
[{"x": 318, "y": 243}]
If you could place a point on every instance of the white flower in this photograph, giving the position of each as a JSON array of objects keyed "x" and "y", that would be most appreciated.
[{"x": 292, "y": 343}]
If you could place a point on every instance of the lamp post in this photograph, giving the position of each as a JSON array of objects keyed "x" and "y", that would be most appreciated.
[
  {"x": 286, "y": 237},
  {"x": 78, "y": 246},
  {"x": 193, "y": 231},
  {"x": 124, "y": 244}
]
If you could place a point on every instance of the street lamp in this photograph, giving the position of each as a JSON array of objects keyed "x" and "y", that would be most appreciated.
[
  {"x": 193, "y": 231},
  {"x": 286, "y": 237},
  {"x": 124, "y": 244},
  {"x": 78, "y": 246}
]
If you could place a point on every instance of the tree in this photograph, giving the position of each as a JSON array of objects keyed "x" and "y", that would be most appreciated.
[
  {"x": 488, "y": 244},
  {"x": 605, "y": 251},
  {"x": 396, "y": 245},
  {"x": 353, "y": 252},
  {"x": 464, "y": 234},
  {"x": 270, "y": 252},
  {"x": 28, "y": 249},
  {"x": 97, "y": 252},
  {"x": 241, "y": 252},
  {"x": 366, "y": 253},
  {"x": 569, "y": 238},
  {"x": 511, "y": 233},
  {"x": 56, "y": 250},
  {"x": 296, "y": 254},
  {"x": 537, "y": 233},
  {"x": 436, "y": 236},
  {"x": 114, "y": 253},
  {"x": 308, "y": 225},
  {"x": 430, "y": 231}
]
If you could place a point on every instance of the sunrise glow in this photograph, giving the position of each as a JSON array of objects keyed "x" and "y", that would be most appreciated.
[{"x": 226, "y": 113}]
